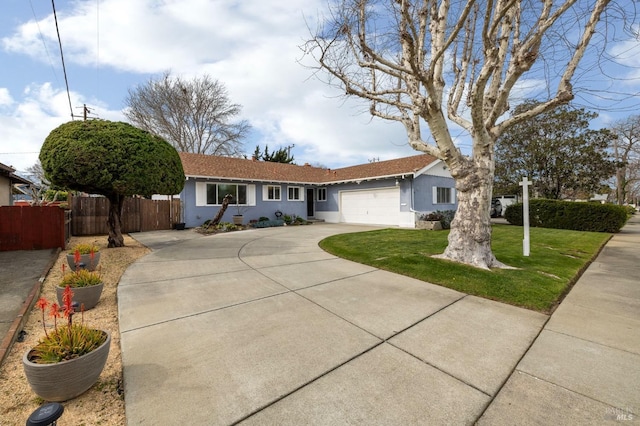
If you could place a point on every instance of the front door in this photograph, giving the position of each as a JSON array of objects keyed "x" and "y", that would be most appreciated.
[{"x": 310, "y": 210}]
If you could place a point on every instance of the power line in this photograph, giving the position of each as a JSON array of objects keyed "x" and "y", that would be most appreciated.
[
  {"x": 98, "y": 49},
  {"x": 46, "y": 49},
  {"x": 64, "y": 68},
  {"x": 19, "y": 153}
]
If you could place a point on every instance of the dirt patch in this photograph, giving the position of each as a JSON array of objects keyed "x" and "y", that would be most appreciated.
[{"x": 103, "y": 404}]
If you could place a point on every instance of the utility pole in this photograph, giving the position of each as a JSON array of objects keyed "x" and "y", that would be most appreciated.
[{"x": 85, "y": 112}]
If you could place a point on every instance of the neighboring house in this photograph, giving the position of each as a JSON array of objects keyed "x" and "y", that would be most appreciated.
[
  {"x": 383, "y": 193},
  {"x": 8, "y": 179}
]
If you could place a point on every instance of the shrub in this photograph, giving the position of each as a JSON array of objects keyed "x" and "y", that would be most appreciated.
[
  {"x": 263, "y": 218},
  {"x": 569, "y": 215},
  {"x": 444, "y": 217},
  {"x": 227, "y": 227},
  {"x": 268, "y": 223},
  {"x": 81, "y": 278},
  {"x": 431, "y": 217},
  {"x": 52, "y": 194},
  {"x": 447, "y": 218},
  {"x": 84, "y": 249}
]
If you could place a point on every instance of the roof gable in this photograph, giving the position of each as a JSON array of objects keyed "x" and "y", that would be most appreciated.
[{"x": 211, "y": 166}]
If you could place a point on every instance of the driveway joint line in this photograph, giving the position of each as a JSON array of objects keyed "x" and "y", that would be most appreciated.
[
  {"x": 195, "y": 314},
  {"x": 515, "y": 367},
  {"x": 307, "y": 383},
  {"x": 593, "y": 342},
  {"x": 566, "y": 389},
  {"x": 183, "y": 277}
]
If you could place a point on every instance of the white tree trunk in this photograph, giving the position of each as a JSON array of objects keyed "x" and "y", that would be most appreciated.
[{"x": 470, "y": 236}]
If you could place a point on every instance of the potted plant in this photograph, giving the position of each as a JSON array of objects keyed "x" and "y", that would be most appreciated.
[
  {"x": 68, "y": 359},
  {"x": 84, "y": 256},
  {"x": 87, "y": 287},
  {"x": 430, "y": 221},
  {"x": 238, "y": 218}
]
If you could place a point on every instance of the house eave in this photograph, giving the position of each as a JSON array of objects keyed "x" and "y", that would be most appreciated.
[
  {"x": 367, "y": 179},
  {"x": 291, "y": 182},
  {"x": 428, "y": 167},
  {"x": 249, "y": 180}
]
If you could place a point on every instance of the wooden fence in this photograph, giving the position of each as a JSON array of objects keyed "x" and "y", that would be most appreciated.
[
  {"x": 33, "y": 228},
  {"x": 90, "y": 215}
]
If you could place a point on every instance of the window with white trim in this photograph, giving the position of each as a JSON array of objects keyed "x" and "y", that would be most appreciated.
[
  {"x": 443, "y": 195},
  {"x": 322, "y": 194},
  {"x": 271, "y": 192},
  {"x": 295, "y": 193},
  {"x": 217, "y": 191},
  {"x": 212, "y": 194}
]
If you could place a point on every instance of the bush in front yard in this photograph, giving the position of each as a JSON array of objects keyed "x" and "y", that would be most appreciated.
[
  {"x": 447, "y": 217},
  {"x": 569, "y": 215},
  {"x": 268, "y": 223}
]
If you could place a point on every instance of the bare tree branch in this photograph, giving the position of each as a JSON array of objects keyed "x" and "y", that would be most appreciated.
[
  {"x": 414, "y": 60},
  {"x": 193, "y": 115}
]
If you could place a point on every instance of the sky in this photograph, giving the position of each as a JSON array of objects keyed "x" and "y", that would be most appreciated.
[{"x": 251, "y": 46}]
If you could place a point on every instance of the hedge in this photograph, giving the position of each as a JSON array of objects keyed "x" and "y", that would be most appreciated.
[
  {"x": 268, "y": 223},
  {"x": 572, "y": 215}
]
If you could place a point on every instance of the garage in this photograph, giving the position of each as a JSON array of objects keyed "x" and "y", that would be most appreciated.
[{"x": 373, "y": 207}]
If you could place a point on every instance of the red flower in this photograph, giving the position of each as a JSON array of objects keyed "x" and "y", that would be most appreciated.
[
  {"x": 67, "y": 301},
  {"x": 54, "y": 312},
  {"x": 76, "y": 258},
  {"x": 42, "y": 304},
  {"x": 92, "y": 256}
]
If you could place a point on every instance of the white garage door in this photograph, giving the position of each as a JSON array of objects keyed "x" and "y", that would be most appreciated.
[{"x": 375, "y": 207}]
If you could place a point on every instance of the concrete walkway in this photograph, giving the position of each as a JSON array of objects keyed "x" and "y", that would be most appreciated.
[
  {"x": 584, "y": 368},
  {"x": 263, "y": 327},
  {"x": 21, "y": 275}
]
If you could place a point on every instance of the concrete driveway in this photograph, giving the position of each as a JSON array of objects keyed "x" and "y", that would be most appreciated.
[{"x": 263, "y": 327}]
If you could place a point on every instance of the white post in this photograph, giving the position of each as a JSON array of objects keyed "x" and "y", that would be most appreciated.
[{"x": 525, "y": 214}]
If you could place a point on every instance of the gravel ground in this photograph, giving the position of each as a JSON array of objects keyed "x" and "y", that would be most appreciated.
[{"x": 103, "y": 404}]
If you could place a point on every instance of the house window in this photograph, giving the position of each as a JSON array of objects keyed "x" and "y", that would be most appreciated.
[
  {"x": 443, "y": 195},
  {"x": 322, "y": 194},
  {"x": 271, "y": 192},
  {"x": 217, "y": 191},
  {"x": 294, "y": 193}
]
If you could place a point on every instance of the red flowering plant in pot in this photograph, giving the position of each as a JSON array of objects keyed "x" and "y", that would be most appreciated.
[
  {"x": 86, "y": 285},
  {"x": 84, "y": 256},
  {"x": 68, "y": 359}
]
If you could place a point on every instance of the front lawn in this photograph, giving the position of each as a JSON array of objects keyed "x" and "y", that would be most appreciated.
[{"x": 556, "y": 260}]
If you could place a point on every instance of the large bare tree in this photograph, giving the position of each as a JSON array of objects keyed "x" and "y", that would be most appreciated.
[
  {"x": 419, "y": 62},
  {"x": 193, "y": 115},
  {"x": 626, "y": 151}
]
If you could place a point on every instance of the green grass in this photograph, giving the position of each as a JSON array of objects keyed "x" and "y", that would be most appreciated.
[{"x": 557, "y": 258}]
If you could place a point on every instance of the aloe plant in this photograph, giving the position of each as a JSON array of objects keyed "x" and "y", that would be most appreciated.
[{"x": 67, "y": 341}]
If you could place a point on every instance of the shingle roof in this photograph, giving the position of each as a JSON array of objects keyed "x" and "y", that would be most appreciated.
[
  {"x": 9, "y": 172},
  {"x": 211, "y": 166}
]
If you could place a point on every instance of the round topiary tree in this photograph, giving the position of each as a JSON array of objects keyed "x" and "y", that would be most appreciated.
[{"x": 113, "y": 159}]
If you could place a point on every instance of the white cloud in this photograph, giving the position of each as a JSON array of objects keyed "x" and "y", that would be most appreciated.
[
  {"x": 250, "y": 46},
  {"x": 40, "y": 109},
  {"x": 5, "y": 97}
]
